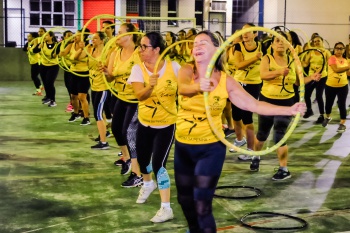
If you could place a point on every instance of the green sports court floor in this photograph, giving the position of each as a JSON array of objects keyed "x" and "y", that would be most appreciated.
[{"x": 51, "y": 181}]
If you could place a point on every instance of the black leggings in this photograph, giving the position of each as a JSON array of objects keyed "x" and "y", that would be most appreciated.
[
  {"x": 154, "y": 145},
  {"x": 342, "y": 94},
  {"x": 34, "y": 72},
  {"x": 124, "y": 125},
  {"x": 197, "y": 171},
  {"x": 68, "y": 83},
  {"x": 309, "y": 88},
  {"x": 246, "y": 116},
  {"x": 48, "y": 76}
]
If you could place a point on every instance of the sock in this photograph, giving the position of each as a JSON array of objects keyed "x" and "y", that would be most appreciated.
[
  {"x": 165, "y": 204},
  {"x": 148, "y": 183},
  {"x": 284, "y": 168},
  {"x": 109, "y": 120}
]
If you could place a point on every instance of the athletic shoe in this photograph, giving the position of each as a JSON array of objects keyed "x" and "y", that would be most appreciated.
[
  {"x": 341, "y": 128},
  {"x": 254, "y": 165},
  {"x": 69, "y": 108},
  {"x": 42, "y": 87},
  {"x": 126, "y": 167},
  {"x": 245, "y": 157},
  {"x": 308, "y": 113},
  {"x": 162, "y": 215},
  {"x": 37, "y": 93},
  {"x": 119, "y": 162},
  {"x": 74, "y": 117},
  {"x": 133, "y": 181},
  {"x": 46, "y": 101},
  {"x": 108, "y": 135},
  {"x": 228, "y": 132},
  {"x": 319, "y": 120},
  {"x": 52, "y": 104},
  {"x": 145, "y": 192},
  {"x": 326, "y": 121},
  {"x": 281, "y": 175},
  {"x": 120, "y": 154},
  {"x": 85, "y": 121},
  {"x": 101, "y": 146},
  {"x": 238, "y": 144}
]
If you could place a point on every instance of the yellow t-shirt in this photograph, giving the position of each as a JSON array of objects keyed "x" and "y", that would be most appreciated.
[
  {"x": 121, "y": 72},
  {"x": 77, "y": 65},
  {"x": 96, "y": 76},
  {"x": 152, "y": 111},
  {"x": 337, "y": 79},
  {"x": 251, "y": 74},
  {"x": 192, "y": 126},
  {"x": 316, "y": 62},
  {"x": 47, "y": 59},
  {"x": 280, "y": 87}
]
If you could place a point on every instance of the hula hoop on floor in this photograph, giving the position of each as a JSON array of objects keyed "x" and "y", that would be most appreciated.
[
  {"x": 256, "y": 190},
  {"x": 103, "y": 61},
  {"x": 206, "y": 94},
  {"x": 303, "y": 223},
  {"x": 160, "y": 58}
]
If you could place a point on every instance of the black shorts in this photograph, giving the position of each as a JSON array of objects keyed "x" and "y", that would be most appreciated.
[{"x": 80, "y": 84}]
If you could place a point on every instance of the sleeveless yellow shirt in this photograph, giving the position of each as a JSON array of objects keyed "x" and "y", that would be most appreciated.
[
  {"x": 121, "y": 72},
  {"x": 192, "y": 126},
  {"x": 280, "y": 87},
  {"x": 78, "y": 65},
  {"x": 316, "y": 62},
  {"x": 46, "y": 58},
  {"x": 152, "y": 111},
  {"x": 96, "y": 77}
]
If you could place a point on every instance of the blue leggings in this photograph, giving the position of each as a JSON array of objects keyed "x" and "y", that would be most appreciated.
[{"x": 197, "y": 171}]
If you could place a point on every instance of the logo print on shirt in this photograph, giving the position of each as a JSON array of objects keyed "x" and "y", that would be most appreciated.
[
  {"x": 153, "y": 107},
  {"x": 193, "y": 122}
]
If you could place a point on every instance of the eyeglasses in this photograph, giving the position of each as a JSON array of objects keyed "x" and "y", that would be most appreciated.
[
  {"x": 339, "y": 48},
  {"x": 143, "y": 47}
]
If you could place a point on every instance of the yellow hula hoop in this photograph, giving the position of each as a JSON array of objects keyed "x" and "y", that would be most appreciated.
[
  {"x": 97, "y": 17},
  {"x": 206, "y": 94},
  {"x": 43, "y": 38},
  {"x": 103, "y": 59},
  {"x": 161, "y": 56}
]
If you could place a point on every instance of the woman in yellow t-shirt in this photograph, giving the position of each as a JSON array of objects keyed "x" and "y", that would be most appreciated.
[
  {"x": 337, "y": 85},
  {"x": 157, "y": 110},
  {"x": 199, "y": 155}
]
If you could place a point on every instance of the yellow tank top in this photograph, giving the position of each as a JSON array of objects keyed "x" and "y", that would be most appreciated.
[
  {"x": 229, "y": 65},
  {"x": 337, "y": 79},
  {"x": 316, "y": 62},
  {"x": 77, "y": 65},
  {"x": 251, "y": 74},
  {"x": 32, "y": 57},
  {"x": 96, "y": 77},
  {"x": 192, "y": 126},
  {"x": 151, "y": 111},
  {"x": 121, "y": 72},
  {"x": 47, "y": 60},
  {"x": 280, "y": 87}
]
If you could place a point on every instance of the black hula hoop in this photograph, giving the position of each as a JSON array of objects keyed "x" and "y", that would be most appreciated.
[
  {"x": 256, "y": 190},
  {"x": 318, "y": 50},
  {"x": 300, "y": 220}
]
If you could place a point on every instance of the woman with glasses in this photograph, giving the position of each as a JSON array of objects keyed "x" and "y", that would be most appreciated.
[
  {"x": 315, "y": 59},
  {"x": 337, "y": 85},
  {"x": 157, "y": 94},
  {"x": 124, "y": 120}
]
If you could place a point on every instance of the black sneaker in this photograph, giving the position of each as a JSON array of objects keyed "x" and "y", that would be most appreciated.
[
  {"x": 119, "y": 162},
  {"x": 46, "y": 101},
  {"x": 126, "y": 167},
  {"x": 85, "y": 121},
  {"x": 228, "y": 132},
  {"x": 319, "y": 120},
  {"x": 101, "y": 146},
  {"x": 108, "y": 135},
  {"x": 133, "y": 181},
  {"x": 52, "y": 104},
  {"x": 308, "y": 113},
  {"x": 341, "y": 128},
  {"x": 281, "y": 175},
  {"x": 326, "y": 121},
  {"x": 74, "y": 117},
  {"x": 254, "y": 165}
]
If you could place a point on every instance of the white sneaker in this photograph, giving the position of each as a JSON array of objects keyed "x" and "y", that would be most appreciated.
[
  {"x": 245, "y": 157},
  {"x": 162, "y": 215},
  {"x": 145, "y": 192},
  {"x": 238, "y": 144}
]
